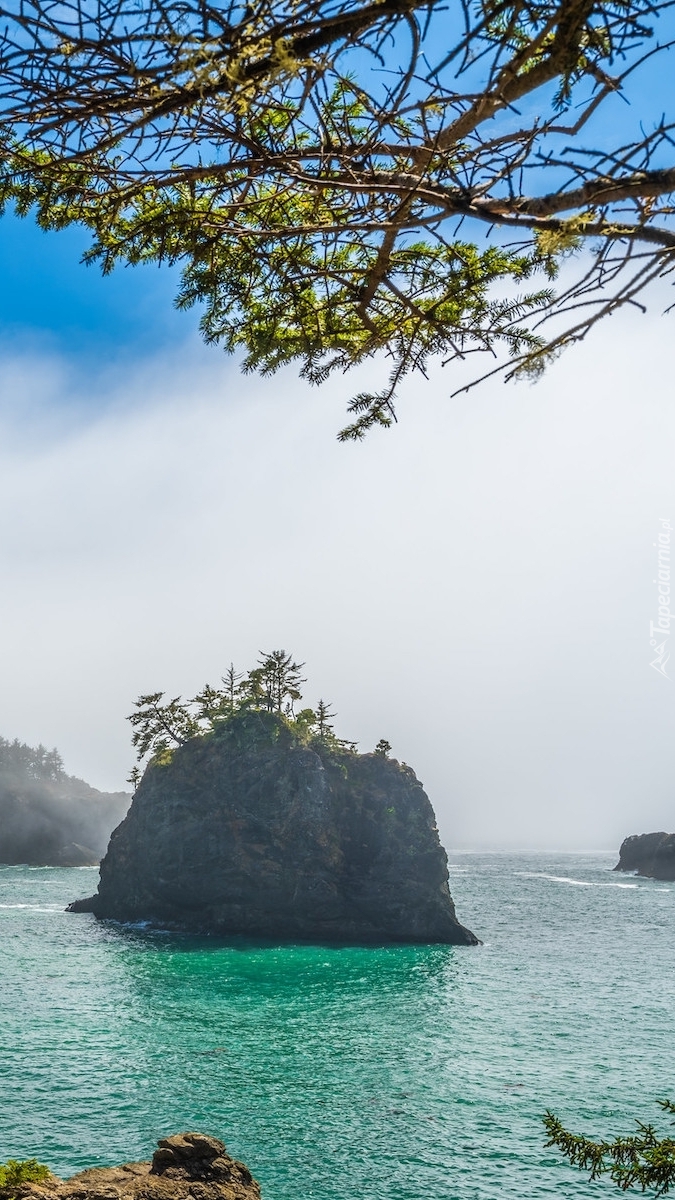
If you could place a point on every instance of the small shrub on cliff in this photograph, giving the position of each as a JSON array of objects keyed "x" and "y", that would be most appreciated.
[
  {"x": 643, "y": 1161},
  {"x": 13, "y": 1172}
]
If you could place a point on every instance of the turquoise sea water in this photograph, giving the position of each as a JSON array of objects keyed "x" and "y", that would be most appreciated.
[{"x": 392, "y": 1073}]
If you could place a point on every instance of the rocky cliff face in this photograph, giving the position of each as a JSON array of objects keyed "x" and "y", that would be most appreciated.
[
  {"x": 188, "y": 1166},
  {"x": 650, "y": 854},
  {"x": 247, "y": 831}
]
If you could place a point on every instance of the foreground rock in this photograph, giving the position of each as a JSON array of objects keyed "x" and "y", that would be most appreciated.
[
  {"x": 188, "y": 1166},
  {"x": 650, "y": 854},
  {"x": 248, "y": 831}
]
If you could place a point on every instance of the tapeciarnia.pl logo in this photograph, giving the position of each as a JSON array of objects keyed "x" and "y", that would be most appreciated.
[{"x": 659, "y": 632}]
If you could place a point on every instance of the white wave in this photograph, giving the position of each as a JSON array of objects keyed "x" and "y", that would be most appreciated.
[
  {"x": 556, "y": 878},
  {"x": 577, "y": 882},
  {"x": 36, "y": 907}
]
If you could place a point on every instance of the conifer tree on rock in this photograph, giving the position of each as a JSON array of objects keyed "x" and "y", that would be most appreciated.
[
  {"x": 276, "y": 683},
  {"x": 323, "y": 719}
]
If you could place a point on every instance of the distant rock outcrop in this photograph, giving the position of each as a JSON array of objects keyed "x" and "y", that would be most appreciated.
[
  {"x": 650, "y": 854},
  {"x": 48, "y": 818},
  {"x": 186, "y": 1166},
  {"x": 249, "y": 831}
]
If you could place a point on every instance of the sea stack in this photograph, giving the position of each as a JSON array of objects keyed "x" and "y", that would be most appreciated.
[
  {"x": 248, "y": 831},
  {"x": 649, "y": 854},
  {"x": 185, "y": 1165}
]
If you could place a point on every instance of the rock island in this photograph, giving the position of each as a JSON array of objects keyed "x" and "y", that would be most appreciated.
[
  {"x": 248, "y": 831},
  {"x": 250, "y": 820},
  {"x": 649, "y": 854}
]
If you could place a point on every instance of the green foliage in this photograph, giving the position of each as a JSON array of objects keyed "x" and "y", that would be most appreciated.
[
  {"x": 275, "y": 684},
  {"x": 28, "y": 1170},
  {"x": 383, "y": 748},
  {"x": 643, "y": 1160},
  {"x": 31, "y": 762},
  {"x": 343, "y": 180},
  {"x": 305, "y": 725},
  {"x": 158, "y": 726},
  {"x": 324, "y": 728},
  {"x": 269, "y": 690},
  {"x": 300, "y": 301},
  {"x": 231, "y": 681},
  {"x": 134, "y": 777}
]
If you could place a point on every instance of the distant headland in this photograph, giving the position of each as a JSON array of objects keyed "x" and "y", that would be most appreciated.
[
  {"x": 49, "y": 818},
  {"x": 649, "y": 854},
  {"x": 250, "y": 820}
]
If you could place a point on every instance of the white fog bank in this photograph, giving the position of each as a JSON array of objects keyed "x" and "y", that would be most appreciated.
[{"x": 475, "y": 585}]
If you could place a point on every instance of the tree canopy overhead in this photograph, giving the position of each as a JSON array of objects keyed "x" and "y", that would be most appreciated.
[{"x": 340, "y": 178}]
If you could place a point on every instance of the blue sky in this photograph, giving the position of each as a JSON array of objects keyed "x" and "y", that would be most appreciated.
[{"x": 49, "y": 295}]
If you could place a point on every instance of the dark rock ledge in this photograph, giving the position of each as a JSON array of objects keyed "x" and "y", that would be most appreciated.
[
  {"x": 648, "y": 854},
  {"x": 187, "y": 1166}
]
